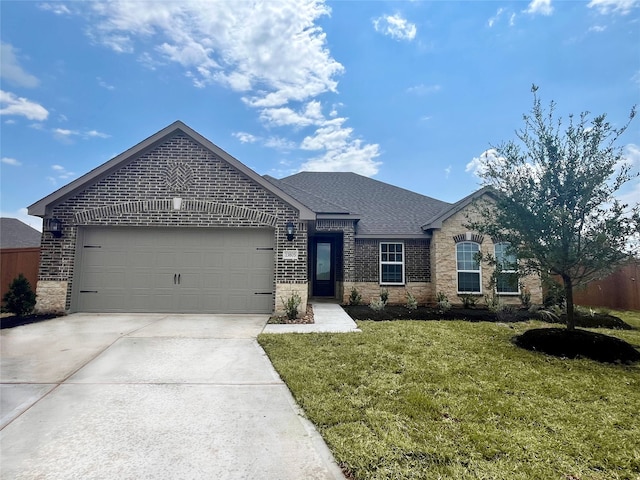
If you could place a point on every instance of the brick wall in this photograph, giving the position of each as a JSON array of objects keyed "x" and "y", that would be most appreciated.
[
  {"x": 141, "y": 194},
  {"x": 417, "y": 261},
  {"x": 444, "y": 265}
]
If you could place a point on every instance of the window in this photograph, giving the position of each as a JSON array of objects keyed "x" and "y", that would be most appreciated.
[
  {"x": 392, "y": 263},
  {"x": 507, "y": 279},
  {"x": 468, "y": 267}
]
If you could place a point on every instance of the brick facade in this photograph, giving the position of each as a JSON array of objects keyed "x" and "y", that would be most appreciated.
[
  {"x": 417, "y": 262},
  {"x": 444, "y": 265},
  {"x": 141, "y": 193}
]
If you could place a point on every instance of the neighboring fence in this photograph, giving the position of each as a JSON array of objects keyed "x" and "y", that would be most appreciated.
[
  {"x": 14, "y": 261},
  {"x": 620, "y": 290}
]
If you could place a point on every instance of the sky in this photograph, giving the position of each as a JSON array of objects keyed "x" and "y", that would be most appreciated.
[{"x": 410, "y": 93}]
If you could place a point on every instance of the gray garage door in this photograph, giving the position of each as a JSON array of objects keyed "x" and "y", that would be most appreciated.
[{"x": 183, "y": 270}]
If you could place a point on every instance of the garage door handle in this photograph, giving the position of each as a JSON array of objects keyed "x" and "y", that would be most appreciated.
[
  {"x": 262, "y": 293},
  {"x": 178, "y": 279},
  {"x": 175, "y": 276}
]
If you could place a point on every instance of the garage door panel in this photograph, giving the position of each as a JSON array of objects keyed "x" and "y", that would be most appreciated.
[{"x": 175, "y": 270}]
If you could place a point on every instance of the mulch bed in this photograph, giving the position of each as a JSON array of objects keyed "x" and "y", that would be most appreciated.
[
  {"x": 305, "y": 319},
  {"x": 399, "y": 312},
  {"x": 561, "y": 342},
  {"x": 16, "y": 321}
]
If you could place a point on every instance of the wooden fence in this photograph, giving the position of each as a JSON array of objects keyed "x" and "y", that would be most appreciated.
[
  {"x": 620, "y": 290},
  {"x": 14, "y": 261}
]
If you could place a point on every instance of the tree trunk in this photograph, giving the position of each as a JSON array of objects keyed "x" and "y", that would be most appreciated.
[{"x": 568, "y": 294}]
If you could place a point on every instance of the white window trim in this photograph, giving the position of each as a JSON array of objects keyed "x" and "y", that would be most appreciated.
[
  {"x": 391, "y": 263},
  {"x": 478, "y": 271},
  {"x": 506, "y": 294}
]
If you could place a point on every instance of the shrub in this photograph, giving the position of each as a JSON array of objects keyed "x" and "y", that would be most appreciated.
[
  {"x": 468, "y": 301},
  {"x": 525, "y": 296},
  {"x": 355, "y": 298},
  {"x": 442, "y": 302},
  {"x": 378, "y": 304},
  {"x": 494, "y": 304},
  {"x": 412, "y": 303},
  {"x": 291, "y": 305},
  {"x": 20, "y": 299},
  {"x": 384, "y": 295}
]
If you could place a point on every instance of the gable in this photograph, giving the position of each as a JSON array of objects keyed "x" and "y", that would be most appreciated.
[{"x": 173, "y": 161}]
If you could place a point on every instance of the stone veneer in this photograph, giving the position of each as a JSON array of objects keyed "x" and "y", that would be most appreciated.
[
  {"x": 140, "y": 194},
  {"x": 444, "y": 262}
]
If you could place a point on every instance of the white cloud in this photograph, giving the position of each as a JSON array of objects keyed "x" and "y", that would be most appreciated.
[
  {"x": 423, "y": 89},
  {"x": 96, "y": 134},
  {"x": 65, "y": 132},
  {"x": 491, "y": 22},
  {"x": 22, "y": 215},
  {"x": 395, "y": 26},
  {"x": 10, "y": 161},
  {"x": 354, "y": 157},
  {"x": 104, "y": 84},
  {"x": 271, "y": 49},
  {"x": 285, "y": 116},
  {"x": 61, "y": 173},
  {"x": 58, "y": 8},
  {"x": 13, "y": 105},
  {"x": 11, "y": 71},
  {"x": 540, "y": 7},
  {"x": 273, "y": 53},
  {"x": 597, "y": 28},
  {"x": 477, "y": 165},
  {"x": 279, "y": 143},
  {"x": 614, "y": 6},
  {"x": 447, "y": 171},
  {"x": 631, "y": 155},
  {"x": 245, "y": 137}
]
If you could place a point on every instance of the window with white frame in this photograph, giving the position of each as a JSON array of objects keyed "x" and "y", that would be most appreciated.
[
  {"x": 468, "y": 267},
  {"x": 392, "y": 263},
  {"x": 507, "y": 278}
]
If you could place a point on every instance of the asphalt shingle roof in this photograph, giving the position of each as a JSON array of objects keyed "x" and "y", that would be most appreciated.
[
  {"x": 383, "y": 209},
  {"x": 16, "y": 234}
]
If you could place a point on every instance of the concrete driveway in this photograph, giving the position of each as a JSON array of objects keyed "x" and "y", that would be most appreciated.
[{"x": 150, "y": 396}]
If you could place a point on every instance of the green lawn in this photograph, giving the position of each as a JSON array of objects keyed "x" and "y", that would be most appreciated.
[{"x": 456, "y": 400}]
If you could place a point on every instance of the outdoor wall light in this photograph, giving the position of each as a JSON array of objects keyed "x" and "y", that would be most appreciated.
[
  {"x": 54, "y": 227},
  {"x": 290, "y": 229}
]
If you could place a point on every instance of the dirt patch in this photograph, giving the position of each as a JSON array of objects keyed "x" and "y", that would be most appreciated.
[
  {"x": 561, "y": 342},
  {"x": 10, "y": 321},
  {"x": 305, "y": 319}
]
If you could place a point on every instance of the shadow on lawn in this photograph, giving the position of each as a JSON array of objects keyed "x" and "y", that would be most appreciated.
[{"x": 558, "y": 342}]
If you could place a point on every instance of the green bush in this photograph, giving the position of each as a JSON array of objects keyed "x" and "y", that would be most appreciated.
[
  {"x": 442, "y": 302},
  {"x": 412, "y": 303},
  {"x": 355, "y": 298},
  {"x": 20, "y": 299},
  {"x": 291, "y": 305},
  {"x": 468, "y": 301}
]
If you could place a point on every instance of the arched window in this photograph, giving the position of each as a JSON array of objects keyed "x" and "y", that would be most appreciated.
[
  {"x": 468, "y": 268},
  {"x": 507, "y": 278}
]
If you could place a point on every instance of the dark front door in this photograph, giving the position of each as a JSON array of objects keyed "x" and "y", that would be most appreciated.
[{"x": 324, "y": 277}]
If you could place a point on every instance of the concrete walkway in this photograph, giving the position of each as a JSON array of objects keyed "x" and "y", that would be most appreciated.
[
  {"x": 151, "y": 396},
  {"x": 327, "y": 317}
]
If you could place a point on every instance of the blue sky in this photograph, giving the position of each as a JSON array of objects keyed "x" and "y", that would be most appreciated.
[{"x": 411, "y": 93}]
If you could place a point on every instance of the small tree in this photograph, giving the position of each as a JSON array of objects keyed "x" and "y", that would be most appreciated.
[
  {"x": 20, "y": 299},
  {"x": 555, "y": 199}
]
